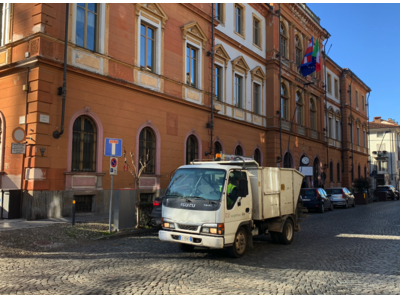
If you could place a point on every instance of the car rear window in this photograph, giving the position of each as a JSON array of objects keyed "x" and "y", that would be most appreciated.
[
  {"x": 334, "y": 191},
  {"x": 382, "y": 188},
  {"x": 308, "y": 193}
]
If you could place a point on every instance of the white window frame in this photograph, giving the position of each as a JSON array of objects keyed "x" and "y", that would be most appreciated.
[
  {"x": 157, "y": 45},
  {"x": 199, "y": 63},
  {"x": 5, "y": 20},
  {"x": 101, "y": 22},
  {"x": 260, "y": 98},
  {"x": 243, "y": 94}
]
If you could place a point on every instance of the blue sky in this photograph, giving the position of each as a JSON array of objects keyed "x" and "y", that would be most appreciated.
[{"x": 366, "y": 39}]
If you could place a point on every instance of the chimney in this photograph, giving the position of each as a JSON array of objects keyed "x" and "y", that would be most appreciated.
[
  {"x": 391, "y": 121},
  {"x": 377, "y": 120}
]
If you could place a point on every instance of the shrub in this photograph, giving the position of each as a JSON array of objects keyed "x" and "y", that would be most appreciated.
[{"x": 361, "y": 184}]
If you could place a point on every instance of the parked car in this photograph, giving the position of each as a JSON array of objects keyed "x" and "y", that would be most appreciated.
[
  {"x": 316, "y": 199},
  {"x": 341, "y": 196},
  {"x": 156, "y": 212},
  {"x": 392, "y": 193}
]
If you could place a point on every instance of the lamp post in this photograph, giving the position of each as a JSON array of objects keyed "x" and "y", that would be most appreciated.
[{"x": 295, "y": 109}]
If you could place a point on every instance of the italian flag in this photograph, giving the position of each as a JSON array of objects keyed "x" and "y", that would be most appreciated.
[{"x": 316, "y": 55}]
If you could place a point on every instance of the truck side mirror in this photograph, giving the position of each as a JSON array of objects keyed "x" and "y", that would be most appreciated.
[{"x": 243, "y": 188}]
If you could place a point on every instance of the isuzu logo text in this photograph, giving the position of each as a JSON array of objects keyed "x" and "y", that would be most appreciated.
[{"x": 188, "y": 205}]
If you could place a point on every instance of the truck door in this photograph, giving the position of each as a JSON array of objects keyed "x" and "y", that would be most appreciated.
[{"x": 237, "y": 209}]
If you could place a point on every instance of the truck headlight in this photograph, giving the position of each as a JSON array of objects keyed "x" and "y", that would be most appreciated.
[
  {"x": 205, "y": 230},
  {"x": 213, "y": 230},
  {"x": 169, "y": 225}
]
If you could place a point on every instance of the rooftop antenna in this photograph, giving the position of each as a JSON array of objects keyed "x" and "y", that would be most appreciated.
[{"x": 329, "y": 49}]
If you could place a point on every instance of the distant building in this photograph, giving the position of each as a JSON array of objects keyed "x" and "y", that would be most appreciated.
[{"x": 385, "y": 152}]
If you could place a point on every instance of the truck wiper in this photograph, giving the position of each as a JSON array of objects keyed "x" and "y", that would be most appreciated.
[
  {"x": 173, "y": 196},
  {"x": 196, "y": 197}
]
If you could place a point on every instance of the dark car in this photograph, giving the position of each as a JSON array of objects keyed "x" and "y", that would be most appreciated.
[
  {"x": 156, "y": 212},
  {"x": 316, "y": 199},
  {"x": 392, "y": 193}
]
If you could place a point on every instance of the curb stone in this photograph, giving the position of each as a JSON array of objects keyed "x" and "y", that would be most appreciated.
[{"x": 132, "y": 232}]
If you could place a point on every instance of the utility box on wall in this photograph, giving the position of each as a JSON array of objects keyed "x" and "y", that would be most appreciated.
[
  {"x": 124, "y": 209},
  {"x": 10, "y": 204}
]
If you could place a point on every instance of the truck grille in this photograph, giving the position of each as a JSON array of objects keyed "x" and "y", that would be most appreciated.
[{"x": 188, "y": 227}]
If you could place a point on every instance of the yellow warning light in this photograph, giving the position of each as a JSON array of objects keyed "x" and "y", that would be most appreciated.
[
  {"x": 218, "y": 155},
  {"x": 73, "y": 201}
]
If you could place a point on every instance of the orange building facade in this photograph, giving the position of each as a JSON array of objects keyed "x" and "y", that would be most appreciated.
[{"x": 143, "y": 73}]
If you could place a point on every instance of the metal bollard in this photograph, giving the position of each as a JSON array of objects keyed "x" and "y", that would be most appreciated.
[{"x": 73, "y": 211}]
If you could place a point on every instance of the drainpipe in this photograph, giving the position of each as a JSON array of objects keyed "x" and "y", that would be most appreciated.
[
  {"x": 211, "y": 124},
  {"x": 57, "y": 134}
]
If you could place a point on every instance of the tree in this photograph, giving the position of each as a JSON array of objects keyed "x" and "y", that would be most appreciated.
[
  {"x": 143, "y": 162},
  {"x": 361, "y": 184}
]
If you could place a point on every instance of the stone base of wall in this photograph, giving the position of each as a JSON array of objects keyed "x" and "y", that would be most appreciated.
[{"x": 57, "y": 204}]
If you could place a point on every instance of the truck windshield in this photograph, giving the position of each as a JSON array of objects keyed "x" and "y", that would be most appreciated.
[{"x": 197, "y": 183}]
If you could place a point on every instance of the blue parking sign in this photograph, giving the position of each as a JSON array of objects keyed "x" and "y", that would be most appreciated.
[{"x": 113, "y": 147}]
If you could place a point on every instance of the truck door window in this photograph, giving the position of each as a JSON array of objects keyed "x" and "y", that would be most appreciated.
[{"x": 232, "y": 192}]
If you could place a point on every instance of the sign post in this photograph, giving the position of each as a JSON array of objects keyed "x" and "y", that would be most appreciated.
[
  {"x": 112, "y": 148},
  {"x": 113, "y": 171}
]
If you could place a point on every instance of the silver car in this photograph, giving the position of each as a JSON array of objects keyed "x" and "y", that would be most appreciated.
[{"x": 341, "y": 196}]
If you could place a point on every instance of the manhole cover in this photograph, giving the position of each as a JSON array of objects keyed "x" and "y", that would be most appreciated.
[{"x": 43, "y": 243}]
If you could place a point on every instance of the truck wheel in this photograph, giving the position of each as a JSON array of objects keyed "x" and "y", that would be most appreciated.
[
  {"x": 186, "y": 247},
  {"x": 239, "y": 244},
  {"x": 286, "y": 237}
]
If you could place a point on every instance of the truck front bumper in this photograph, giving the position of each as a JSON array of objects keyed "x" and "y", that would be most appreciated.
[{"x": 192, "y": 239}]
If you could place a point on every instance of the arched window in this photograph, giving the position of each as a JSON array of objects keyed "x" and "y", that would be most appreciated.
[
  {"x": 331, "y": 172},
  {"x": 299, "y": 51},
  {"x": 299, "y": 103},
  {"x": 147, "y": 145},
  {"x": 217, "y": 147},
  {"x": 257, "y": 156},
  {"x": 287, "y": 160},
  {"x": 283, "y": 46},
  {"x": 313, "y": 115},
  {"x": 238, "y": 150},
  {"x": 284, "y": 102},
  {"x": 84, "y": 145},
  {"x": 191, "y": 149},
  {"x": 338, "y": 172}
]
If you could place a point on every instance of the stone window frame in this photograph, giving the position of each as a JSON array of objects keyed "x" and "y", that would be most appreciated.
[
  {"x": 223, "y": 14},
  {"x": 101, "y": 29},
  {"x": 258, "y": 77},
  {"x": 285, "y": 36},
  {"x": 336, "y": 87},
  {"x": 260, "y": 31},
  {"x": 357, "y": 100},
  {"x": 242, "y": 34},
  {"x": 221, "y": 59},
  {"x": 199, "y": 145},
  {"x": 329, "y": 83},
  {"x": 6, "y": 21},
  {"x": 240, "y": 68},
  {"x": 314, "y": 125},
  {"x": 300, "y": 107},
  {"x": 194, "y": 36},
  {"x": 286, "y": 97},
  {"x": 152, "y": 14},
  {"x": 99, "y": 141}
]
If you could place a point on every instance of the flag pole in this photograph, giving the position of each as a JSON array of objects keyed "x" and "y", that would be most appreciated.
[{"x": 326, "y": 112}]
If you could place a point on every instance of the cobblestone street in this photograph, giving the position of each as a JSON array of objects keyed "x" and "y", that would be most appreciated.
[{"x": 353, "y": 251}]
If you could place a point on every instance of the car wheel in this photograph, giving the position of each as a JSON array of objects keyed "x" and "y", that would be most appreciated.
[
  {"x": 347, "y": 204},
  {"x": 239, "y": 244},
  {"x": 185, "y": 247},
  {"x": 322, "y": 208},
  {"x": 286, "y": 236},
  {"x": 331, "y": 208},
  {"x": 354, "y": 203}
]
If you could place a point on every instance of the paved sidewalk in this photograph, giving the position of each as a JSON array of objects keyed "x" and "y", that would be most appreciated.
[{"x": 16, "y": 224}]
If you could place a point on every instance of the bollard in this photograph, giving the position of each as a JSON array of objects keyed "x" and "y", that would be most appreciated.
[{"x": 73, "y": 211}]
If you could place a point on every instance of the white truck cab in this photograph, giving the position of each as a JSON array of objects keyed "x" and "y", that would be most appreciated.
[{"x": 223, "y": 203}]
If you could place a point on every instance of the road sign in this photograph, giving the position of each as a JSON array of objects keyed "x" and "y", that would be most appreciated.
[
  {"x": 113, "y": 165},
  {"x": 113, "y": 147},
  {"x": 18, "y": 135},
  {"x": 17, "y": 148}
]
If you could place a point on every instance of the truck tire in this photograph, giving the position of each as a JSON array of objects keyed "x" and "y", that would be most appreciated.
[
  {"x": 185, "y": 247},
  {"x": 239, "y": 244},
  {"x": 286, "y": 236}
]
